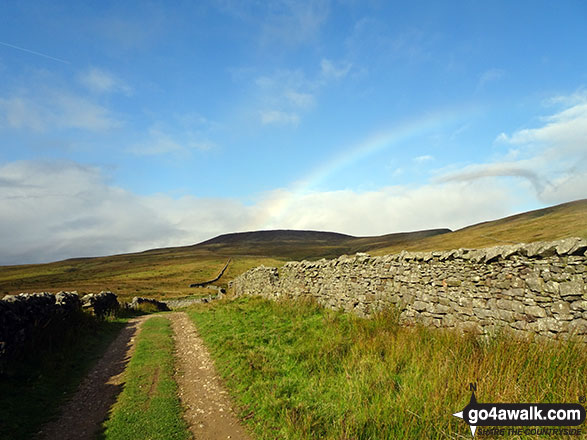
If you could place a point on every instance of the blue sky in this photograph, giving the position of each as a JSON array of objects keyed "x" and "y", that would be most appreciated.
[{"x": 148, "y": 124}]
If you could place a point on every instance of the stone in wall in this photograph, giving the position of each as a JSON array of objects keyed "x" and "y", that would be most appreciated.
[{"x": 102, "y": 303}]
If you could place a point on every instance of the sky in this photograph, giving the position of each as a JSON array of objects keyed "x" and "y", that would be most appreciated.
[{"x": 127, "y": 126}]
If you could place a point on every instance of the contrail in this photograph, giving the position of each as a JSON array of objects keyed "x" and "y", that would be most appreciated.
[{"x": 35, "y": 53}]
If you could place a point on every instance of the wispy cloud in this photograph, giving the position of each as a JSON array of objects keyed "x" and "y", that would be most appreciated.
[
  {"x": 280, "y": 22},
  {"x": 279, "y": 117},
  {"x": 101, "y": 81},
  {"x": 300, "y": 99},
  {"x": 503, "y": 169},
  {"x": 56, "y": 110},
  {"x": 373, "y": 42},
  {"x": 286, "y": 94},
  {"x": 552, "y": 158},
  {"x": 330, "y": 70},
  {"x": 490, "y": 76},
  {"x": 424, "y": 158},
  {"x": 160, "y": 141},
  {"x": 282, "y": 96}
]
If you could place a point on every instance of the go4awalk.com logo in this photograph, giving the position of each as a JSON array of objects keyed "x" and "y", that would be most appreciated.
[{"x": 515, "y": 415}]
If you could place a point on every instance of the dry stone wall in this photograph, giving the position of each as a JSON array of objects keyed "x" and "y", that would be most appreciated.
[
  {"x": 538, "y": 288},
  {"x": 24, "y": 317}
]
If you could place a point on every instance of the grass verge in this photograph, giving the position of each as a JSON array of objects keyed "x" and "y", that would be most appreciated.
[
  {"x": 148, "y": 407},
  {"x": 299, "y": 371},
  {"x": 32, "y": 389}
]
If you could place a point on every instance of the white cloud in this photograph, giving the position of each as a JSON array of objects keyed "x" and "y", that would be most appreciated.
[
  {"x": 54, "y": 110},
  {"x": 279, "y": 117},
  {"x": 101, "y": 81},
  {"x": 58, "y": 210},
  {"x": 424, "y": 158},
  {"x": 386, "y": 210}
]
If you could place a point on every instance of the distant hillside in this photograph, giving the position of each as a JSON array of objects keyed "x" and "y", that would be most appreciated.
[
  {"x": 281, "y": 235},
  {"x": 168, "y": 272},
  {"x": 295, "y": 244},
  {"x": 552, "y": 223}
]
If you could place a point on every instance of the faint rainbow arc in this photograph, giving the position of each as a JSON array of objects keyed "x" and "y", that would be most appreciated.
[{"x": 379, "y": 141}]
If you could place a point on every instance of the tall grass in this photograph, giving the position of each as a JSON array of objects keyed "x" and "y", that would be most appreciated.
[{"x": 298, "y": 371}]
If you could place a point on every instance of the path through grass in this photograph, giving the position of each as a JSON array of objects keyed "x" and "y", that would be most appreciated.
[
  {"x": 301, "y": 372},
  {"x": 148, "y": 407}
]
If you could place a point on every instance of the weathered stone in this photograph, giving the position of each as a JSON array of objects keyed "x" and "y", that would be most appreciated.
[
  {"x": 484, "y": 313},
  {"x": 552, "y": 287},
  {"x": 453, "y": 282},
  {"x": 419, "y": 305},
  {"x": 535, "y": 311},
  {"x": 513, "y": 306},
  {"x": 520, "y": 325},
  {"x": 531, "y": 249},
  {"x": 505, "y": 315},
  {"x": 535, "y": 283},
  {"x": 561, "y": 307},
  {"x": 547, "y": 324},
  {"x": 567, "y": 245},
  {"x": 578, "y": 327},
  {"x": 579, "y": 305},
  {"x": 571, "y": 288}
]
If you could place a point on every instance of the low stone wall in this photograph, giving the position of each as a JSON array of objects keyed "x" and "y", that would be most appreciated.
[
  {"x": 213, "y": 280},
  {"x": 137, "y": 301},
  {"x": 25, "y": 316},
  {"x": 538, "y": 288}
]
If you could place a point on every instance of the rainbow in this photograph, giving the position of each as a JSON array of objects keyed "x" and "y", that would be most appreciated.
[{"x": 278, "y": 207}]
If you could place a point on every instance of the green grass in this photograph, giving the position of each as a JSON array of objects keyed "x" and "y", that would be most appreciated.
[
  {"x": 148, "y": 407},
  {"x": 32, "y": 389},
  {"x": 298, "y": 371}
]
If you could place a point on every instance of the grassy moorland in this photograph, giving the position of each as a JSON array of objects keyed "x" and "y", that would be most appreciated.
[
  {"x": 167, "y": 273},
  {"x": 148, "y": 407},
  {"x": 298, "y": 371},
  {"x": 561, "y": 221}
]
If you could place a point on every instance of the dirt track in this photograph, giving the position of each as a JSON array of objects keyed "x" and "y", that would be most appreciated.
[
  {"x": 82, "y": 416},
  {"x": 207, "y": 408}
]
